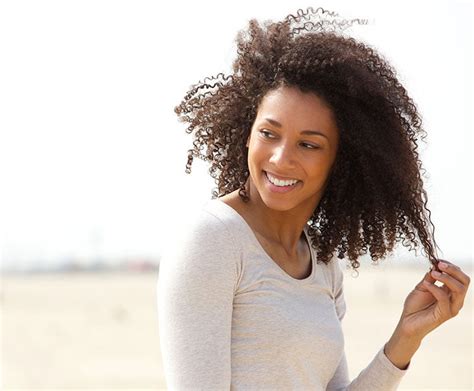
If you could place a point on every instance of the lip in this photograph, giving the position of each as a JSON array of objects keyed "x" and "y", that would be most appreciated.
[
  {"x": 278, "y": 189},
  {"x": 282, "y": 178}
]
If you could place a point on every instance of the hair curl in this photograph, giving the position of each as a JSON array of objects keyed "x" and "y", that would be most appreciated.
[{"x": 375, "y": 194}]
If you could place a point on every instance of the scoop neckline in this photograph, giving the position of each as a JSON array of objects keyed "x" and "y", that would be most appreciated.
[{"x": 263, "y": 251}]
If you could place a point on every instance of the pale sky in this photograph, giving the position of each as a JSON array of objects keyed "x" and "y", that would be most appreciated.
[{"x": 92, "y": 156}]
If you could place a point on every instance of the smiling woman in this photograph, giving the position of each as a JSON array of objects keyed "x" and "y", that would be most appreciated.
[
  {"x": 374, "y": 195},
  {"x": 312, "y": 142}
]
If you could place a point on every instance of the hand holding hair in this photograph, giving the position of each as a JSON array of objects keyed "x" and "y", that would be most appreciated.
[{"x": 426, "y": 308}]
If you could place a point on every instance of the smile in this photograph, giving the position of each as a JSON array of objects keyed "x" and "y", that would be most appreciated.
[
  {"x": 280, "y": 186},
  {"x": 280, "y": 182}
]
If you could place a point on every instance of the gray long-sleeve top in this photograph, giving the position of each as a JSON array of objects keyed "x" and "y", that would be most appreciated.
[{"x": 231, "y": 318}]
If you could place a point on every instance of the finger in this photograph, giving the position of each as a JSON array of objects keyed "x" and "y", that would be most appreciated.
[
  {"x": 444, "y": 288},
  {"x": 457, "y": 291},
  {"x": 428, "y": 277},
  {"x": 455, "y": 271},
  {"x": 442, "y": 297},
  {"x": 454, "y": 285}
]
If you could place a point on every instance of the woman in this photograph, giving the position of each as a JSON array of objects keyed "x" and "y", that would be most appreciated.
[{"x": 313, "y": 144}]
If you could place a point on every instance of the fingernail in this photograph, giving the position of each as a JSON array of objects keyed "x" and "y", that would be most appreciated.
[
  {"x": 442, "y": 265},
  {"x": 435, "y": 273}
]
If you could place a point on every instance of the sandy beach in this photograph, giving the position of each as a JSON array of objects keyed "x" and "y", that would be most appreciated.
[{"x": 99, "y": 331}]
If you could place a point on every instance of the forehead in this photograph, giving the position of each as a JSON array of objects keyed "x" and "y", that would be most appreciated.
[{"x": 294, "y": 108}]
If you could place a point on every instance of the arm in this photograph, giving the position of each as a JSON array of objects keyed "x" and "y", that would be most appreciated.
[
  {"x": 381, "y": 374},
  {"x": 400, "y": 349},
  {"x": 196, "y": 283}
]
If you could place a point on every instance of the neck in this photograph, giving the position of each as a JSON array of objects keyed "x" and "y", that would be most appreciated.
[{"x": 280, "y": 227}]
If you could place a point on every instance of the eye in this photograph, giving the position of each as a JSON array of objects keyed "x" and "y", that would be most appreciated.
[
  {"x": 265, "y": 133},
  {"x": 310, "y": 146}
]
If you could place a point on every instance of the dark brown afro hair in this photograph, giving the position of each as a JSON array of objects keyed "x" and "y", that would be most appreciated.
[{"x": 375, "y": 196}]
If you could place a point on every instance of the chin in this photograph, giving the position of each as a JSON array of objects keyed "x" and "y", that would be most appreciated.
[{"x": 281, "y": 205}]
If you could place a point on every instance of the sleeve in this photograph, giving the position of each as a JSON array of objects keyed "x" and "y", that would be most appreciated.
[
  {"x": 380, "y": 375},
  {"x": 197, "y": 278}
]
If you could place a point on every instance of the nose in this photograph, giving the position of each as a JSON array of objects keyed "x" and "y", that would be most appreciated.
[{"x": 282, "y": 157}]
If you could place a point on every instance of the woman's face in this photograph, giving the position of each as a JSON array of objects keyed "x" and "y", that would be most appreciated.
[{"x": 294, "y": 138}]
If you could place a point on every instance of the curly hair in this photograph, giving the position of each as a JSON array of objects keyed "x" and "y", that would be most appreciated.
[{"x": 375, "y": 194}]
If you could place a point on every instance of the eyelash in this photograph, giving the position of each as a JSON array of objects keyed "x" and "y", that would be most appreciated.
[{"x": 311, "y": 145}]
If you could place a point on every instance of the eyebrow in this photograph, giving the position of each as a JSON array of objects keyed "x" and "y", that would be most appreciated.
[{"x": 306, "y": 132}]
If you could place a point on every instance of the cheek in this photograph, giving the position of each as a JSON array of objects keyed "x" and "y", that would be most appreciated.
[
  {"x": 318, "y": 168},
  {"x": 256, "y": 152}
]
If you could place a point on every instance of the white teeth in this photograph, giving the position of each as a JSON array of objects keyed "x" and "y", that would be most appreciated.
[{"x": 278, "y": 182}]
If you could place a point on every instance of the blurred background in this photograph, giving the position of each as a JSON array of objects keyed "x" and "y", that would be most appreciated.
[{"x": 92, "y": 162}]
